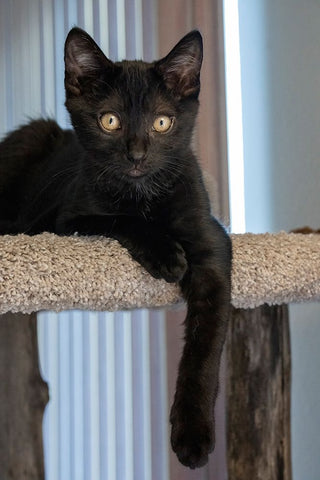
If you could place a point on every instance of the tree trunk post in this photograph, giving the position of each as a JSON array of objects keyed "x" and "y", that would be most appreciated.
[
  {"x": 23, "y": 397},
  {"x": 258, "y": 394}
]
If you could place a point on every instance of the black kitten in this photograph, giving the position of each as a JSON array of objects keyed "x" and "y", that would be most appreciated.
[{"x": 128, "y": 172}]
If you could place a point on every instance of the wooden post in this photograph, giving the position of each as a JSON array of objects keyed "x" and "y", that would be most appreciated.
[
  {"x": 258, "y": 394},
  {"x": 23, "y": 397}
]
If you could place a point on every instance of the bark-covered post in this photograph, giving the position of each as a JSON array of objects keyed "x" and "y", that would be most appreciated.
[
  {"x": 23, "y": 397},
  {"x": 258, "y": 394}
]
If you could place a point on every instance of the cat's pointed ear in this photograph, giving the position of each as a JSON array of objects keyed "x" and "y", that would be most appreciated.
[
  {"x": 83, "y": 60},
  {"x": 180, "y": 69}
]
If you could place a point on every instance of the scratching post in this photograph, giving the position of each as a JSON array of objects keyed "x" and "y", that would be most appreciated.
[
  {"x": 258, "y": 394},
  {"x": 23, "y": 397}
]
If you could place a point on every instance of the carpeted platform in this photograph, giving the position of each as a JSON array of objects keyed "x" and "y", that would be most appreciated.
[{"x": 48, "y": 272}]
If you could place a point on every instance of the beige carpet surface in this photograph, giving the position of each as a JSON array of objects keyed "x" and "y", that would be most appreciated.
[{"x": 48, "y": 272}]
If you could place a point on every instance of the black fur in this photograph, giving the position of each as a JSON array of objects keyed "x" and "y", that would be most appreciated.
[{"x": 141, "y": 187}]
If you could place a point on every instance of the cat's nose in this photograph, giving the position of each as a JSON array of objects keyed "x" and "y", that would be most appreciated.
[
  {"x": 136, "y": 152},
  {"x": 137, "y": 157}
]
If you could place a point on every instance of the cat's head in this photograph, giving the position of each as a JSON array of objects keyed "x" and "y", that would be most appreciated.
[{"x": 134, "y": 118}]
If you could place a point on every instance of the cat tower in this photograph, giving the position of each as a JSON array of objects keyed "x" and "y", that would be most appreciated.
[{"x": 50, "y": 272}]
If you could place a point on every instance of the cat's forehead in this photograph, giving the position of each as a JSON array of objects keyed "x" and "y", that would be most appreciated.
[
  {"x": 136, "y": 86},
  {"x": 135, "y": 69},
  {"x": 136, "y": 77}
]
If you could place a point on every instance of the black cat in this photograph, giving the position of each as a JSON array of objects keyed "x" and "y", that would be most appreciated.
[{"x": 128, "y": 171}]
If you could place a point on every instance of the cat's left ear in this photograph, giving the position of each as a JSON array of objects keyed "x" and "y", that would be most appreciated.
[
  {"x": 180, "y": 69},
  {"x": 83, "y": 61}
]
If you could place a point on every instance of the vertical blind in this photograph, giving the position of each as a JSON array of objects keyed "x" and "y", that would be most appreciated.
[{"x": 107, "y": 416}]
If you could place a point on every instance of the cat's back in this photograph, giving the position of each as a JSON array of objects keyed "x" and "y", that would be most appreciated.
[
  {"x": 30, "y": 158},
  {"x": 29, "y": 147}
]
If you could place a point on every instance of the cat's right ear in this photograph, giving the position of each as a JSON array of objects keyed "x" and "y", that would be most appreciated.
[{"x": 83, "y": 60}]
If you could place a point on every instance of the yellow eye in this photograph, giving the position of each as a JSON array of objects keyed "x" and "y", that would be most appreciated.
[
  {"x": 110, "y": 122},
  {"x": 162, "y": 124}
]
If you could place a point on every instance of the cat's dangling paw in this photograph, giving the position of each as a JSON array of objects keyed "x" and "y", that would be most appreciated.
[
  {"x": 192, "y": 437},
  {"x": 166, "y": 260},
  {"x": 174, "y": 264}
]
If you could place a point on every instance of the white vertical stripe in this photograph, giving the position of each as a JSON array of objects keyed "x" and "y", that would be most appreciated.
[
  {"x": 8, "y": 65},
  {"x": 77, "y": 434},
  {"x": 93, "y": 384},
  {"x": 72, "y": 10},
  {"x": 59, "y": 37},
  {"x": 88, "y": 16},
  {"x": 47, "y": 60},
  {"x": 146, "y": 393},
  {"x": 3, "y": 79},
  {"x": 138, "y": 28},
  {"x": 86, "y": 397},
  {"x": 25, "y": 64},
  {"x": 19, "y": 99},
  {"x": 234, "y": 116},
  {"x": 127, "y": 394},
  {"x": 159, "y": 396},
  {"x": 124, "y": 421},
  {"x": 121, "y": 29},
  {"x": 17, "y": 64},
  {"x": 32, "y": 58},
  {"x": 64, "y": 395},
  {"x": 141, "y": 395},
  {"x": 108, "y": 404},
  {"x": 103, "y": 26},
  {"x": 150, "y": 29}
]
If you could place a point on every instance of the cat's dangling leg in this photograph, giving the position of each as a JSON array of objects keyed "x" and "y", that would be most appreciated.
[{"x": 206, "y": 287}]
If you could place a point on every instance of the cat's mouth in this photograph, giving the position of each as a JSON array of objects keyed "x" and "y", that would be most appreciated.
[{"x": 136, "y": 172}]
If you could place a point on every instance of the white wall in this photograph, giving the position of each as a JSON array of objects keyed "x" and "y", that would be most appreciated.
[{"x": 280, "y": 57}]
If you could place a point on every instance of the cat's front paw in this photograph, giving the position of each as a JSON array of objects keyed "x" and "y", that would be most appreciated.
[
  {"x": 192, "y": 436},
  {"x": 166, "y": 260},
  {"x": 174, "y": 264}
]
